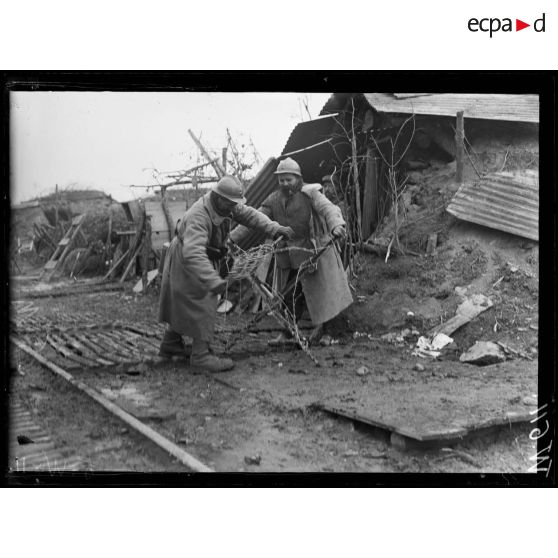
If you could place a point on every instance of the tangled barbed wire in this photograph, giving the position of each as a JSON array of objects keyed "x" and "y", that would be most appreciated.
[{"x": 245, "y": 266}]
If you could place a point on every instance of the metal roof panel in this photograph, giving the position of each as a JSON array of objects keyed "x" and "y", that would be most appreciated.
[{"x": 504, "y": 201}]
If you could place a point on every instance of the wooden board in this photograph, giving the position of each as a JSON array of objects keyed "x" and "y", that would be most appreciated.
[
  {"x": 448, "y": 409},
  {"x": 159, "y": 227},
  {"x": 446, "y": 401}
]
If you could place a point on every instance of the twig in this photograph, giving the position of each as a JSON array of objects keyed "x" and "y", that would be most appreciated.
[
  {"x": 505, "y": 158},
  {"x": 473, "y": 164},
  {"x": 498, "y": 282},
  {"x": 389, "y": 248}
]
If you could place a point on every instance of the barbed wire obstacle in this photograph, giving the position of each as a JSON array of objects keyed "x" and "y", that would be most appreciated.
[{"x": 245, "y": 266}]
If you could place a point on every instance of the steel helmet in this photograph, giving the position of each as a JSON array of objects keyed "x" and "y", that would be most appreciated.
[
  {"x": 288, "y": 166},
  {"x": 229, "y": 187}
]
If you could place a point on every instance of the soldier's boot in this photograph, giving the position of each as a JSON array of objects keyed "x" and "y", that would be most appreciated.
[
  {"x": 316, "y": 334},
  {"x": 173, "y": 345},
  {"x": 203, "y": 359}
]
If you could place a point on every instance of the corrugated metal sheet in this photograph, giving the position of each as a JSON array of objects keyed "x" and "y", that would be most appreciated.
[
  {"x": 257, "y": 191},
  {"x": 505, "y": 201},
  {"x": 515, "y": 108},
  {"x": 309, "y": 133}
]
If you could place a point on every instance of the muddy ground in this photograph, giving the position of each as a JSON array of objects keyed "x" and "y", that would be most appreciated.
[{"x": 262, "y": 416}]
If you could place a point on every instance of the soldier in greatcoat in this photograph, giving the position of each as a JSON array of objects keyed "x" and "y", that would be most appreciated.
[
  {"x": 190, "y": 281},
  {"x": 314, "y": 220}
]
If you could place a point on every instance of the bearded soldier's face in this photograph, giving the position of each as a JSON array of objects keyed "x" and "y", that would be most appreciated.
[{"x": 289, "y": 183}]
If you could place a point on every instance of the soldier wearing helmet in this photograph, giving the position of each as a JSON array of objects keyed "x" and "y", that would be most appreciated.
[
  {"x": 190, "y": 280},
  {"x": 314, "y": 220}
]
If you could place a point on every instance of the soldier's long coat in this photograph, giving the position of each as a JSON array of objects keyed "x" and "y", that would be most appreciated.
[
  {"x": 186, "y": 302},
  {"x": 312, "y": 216}
]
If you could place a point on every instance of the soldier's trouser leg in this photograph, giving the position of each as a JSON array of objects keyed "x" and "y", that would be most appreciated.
[{"x": 173, "y": 344}]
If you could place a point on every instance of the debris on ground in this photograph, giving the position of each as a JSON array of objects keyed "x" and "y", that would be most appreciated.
[
  {"x": 483, "y": 353},
  {"x": 432, "y": 347},
  {"x": 138, "y": 287},
  {"x": 363, "y": 371},
  {"x": 225, "y": 306},
  {"x": 253, "y": 459},
  {"x": 327, "y": 340}
]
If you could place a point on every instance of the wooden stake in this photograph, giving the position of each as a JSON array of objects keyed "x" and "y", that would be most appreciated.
[
  {"x": 166, "y": 211},
  {"x": 118, "y": 262},
  {"x": 370, "y": 200},
  {"x": 214, "y": 162},
  {"x": 108, "y": 245},
  {"x": 224, "y": 159},
  {"x": 56, "y": 207},
  {"x": 145, "y": 253},
  {"x": 459, "y": 136},
  {"x": 130, "y": 264}
]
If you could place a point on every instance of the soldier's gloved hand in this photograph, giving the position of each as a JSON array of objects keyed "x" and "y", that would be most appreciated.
[
  {"x": 219, "y": 288},
  {"x": 339, "y": 232},
  {"x": 232, "y": 247},
  {"x": 285, "y": 232}
]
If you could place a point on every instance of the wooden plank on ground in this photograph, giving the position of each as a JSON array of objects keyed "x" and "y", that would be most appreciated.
[
  {"x": 58, "y": 344},
  {"x": 470, "y": 308}
]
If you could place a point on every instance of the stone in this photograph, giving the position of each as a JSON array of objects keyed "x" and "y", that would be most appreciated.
[
  {"x": 363, "y": 371},
  {"x": 326, "y": 340},
  {"x": 418, "y": 367},
  {"x": 253, "y": 459},
  {"x": 483, "y": 353}
]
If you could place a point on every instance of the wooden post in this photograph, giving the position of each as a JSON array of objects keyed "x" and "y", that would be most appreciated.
[
  {"x": 370, "y": 201},
  {"x": 224, "y": 159},
  {"x": 146, "y": 252},
  {"x": 108, "y": 246},
  {"x": 166, "y": 211},
  {"x": 195, "y": 185},
  {"x": 459, "y": 137},
  {"x": 56, "y": 207},
  {"x": 215, "y": 163}
]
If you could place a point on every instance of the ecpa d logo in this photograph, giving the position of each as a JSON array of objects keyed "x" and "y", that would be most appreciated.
[{"x": 492, "y": 25}]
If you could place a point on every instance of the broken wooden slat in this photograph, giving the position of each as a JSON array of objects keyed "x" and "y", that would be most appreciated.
[
  {"x": 136, "y": 338},
  {"x": 99, "y": 349},
  {"x": 220, "y": 171},
  {"x": 107, "y": 339},
  {"x": 63, "y": 248},
  {"x": 466, "y": 311},
  {"x": 70, "y": 340},
  {"x": 135, "y": 245},
  {"x": 114, "y": 267},
  {"x": 131, "y": 262},
  {"x": 59, "y": 344}
]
